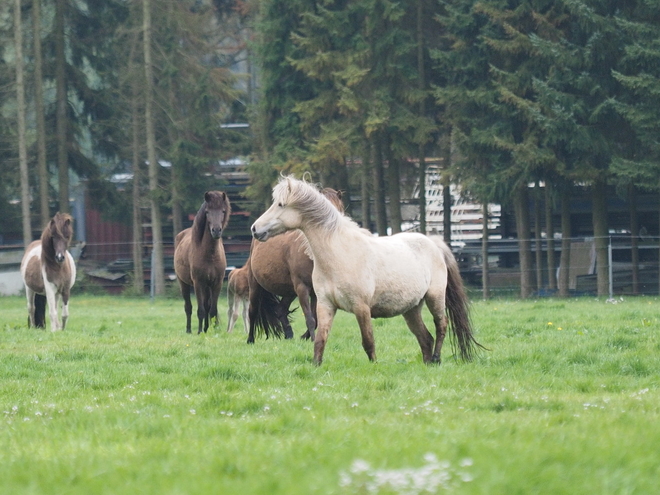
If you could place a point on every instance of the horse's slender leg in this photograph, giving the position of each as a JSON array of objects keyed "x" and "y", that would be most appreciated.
[
  {"x": 435, "y": 301},
  {"x": 29, "y": 293},
  {"x": 202, "y": 309},
  {"x": 418, "y": 328},
  {"x": 215, "y": 294},
  {"x": 187, "y": 305},
  {"x": 52, "y": 298},
  {"x": 232, "y": 311},
  {"x": 285, "y": 304},
  {"x": 304, "y": 293},
  {"x": 326, "y": 314},
  {"x": 363, "y": 316},
  {"x": 65, "y": 307},
  {"x": 246, "y": 317}
]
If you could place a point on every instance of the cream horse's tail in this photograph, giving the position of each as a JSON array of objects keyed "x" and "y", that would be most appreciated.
[{"x": 457, "y": 304}]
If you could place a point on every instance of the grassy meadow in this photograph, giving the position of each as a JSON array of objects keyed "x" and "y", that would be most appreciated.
[{"x": 566, "y": 400}]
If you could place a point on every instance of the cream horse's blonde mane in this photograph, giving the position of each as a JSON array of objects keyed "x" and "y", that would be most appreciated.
[{"x": 308, "y": 199}]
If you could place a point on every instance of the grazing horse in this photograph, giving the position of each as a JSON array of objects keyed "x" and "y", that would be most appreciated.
[
  {"x": 199, "y": 258},
  {"x": 369, "y": 276},
  {"x": 279, "y": 271},
  {"x": 238, "y": 292},
  {"x": 49, "y": 272}
]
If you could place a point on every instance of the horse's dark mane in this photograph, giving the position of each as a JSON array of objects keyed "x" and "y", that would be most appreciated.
[
  {"x": 199, "y": 224},
  {"x": 213, "y": 200}
]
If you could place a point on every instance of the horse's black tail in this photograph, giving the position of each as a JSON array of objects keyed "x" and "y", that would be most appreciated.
[
  {"x": 458, "y": 308},
  {"x": 266, "y": 316},
  {"x": 39, "y": 311}
]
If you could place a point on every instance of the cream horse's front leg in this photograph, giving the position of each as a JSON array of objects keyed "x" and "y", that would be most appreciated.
[{"x": 325, "y": 314}]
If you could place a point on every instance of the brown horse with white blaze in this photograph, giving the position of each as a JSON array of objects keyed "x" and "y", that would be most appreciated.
[
  {"x": 49, "y": 272},
  {"x": 199, "y": 258}
]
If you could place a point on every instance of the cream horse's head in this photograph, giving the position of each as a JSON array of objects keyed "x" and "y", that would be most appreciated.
[{"x": 281, "y": 216}]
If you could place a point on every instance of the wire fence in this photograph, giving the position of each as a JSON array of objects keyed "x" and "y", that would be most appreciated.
[{"x": 632, "y": 266}]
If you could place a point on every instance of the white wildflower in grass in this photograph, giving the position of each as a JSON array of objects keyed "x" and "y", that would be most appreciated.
[{"x": 432, "y": 477}]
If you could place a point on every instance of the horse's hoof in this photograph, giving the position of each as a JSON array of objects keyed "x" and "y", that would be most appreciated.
[
  {"x": 435, "y": 359},
  {"x": 188, "y": 331}
]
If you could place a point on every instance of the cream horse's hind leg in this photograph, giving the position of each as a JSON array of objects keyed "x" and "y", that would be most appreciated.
[
  {"x": 418, "y": 328},
  {"x": 363, "y": 315},
  {"x": 436, "y": 305}
]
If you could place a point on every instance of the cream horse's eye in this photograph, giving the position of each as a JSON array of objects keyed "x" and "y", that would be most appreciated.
[{"x": 281, "y": 205}]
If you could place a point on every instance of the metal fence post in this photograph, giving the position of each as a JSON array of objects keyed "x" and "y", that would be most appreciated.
[{"x": 609, "y": 267}]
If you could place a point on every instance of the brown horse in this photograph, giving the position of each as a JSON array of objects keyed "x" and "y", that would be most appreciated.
[
  {"x": 238, "y": 292},
  {"x": 199, "y": 258},
  {"x": 280, "y": 270},
  {"x": 49, "y": 272}
]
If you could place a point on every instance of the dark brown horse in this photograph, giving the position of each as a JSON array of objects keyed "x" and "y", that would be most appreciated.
[
  {"x": 238, "y": 293},
  {"x": 49, "y": 272},
  {"x": 279, "y": 271},
  {"x": 199, "y": 258}
]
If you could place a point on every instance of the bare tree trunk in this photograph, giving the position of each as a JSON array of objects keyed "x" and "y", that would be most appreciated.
[
  {"x": 379, "y": 184},
  {"x": 61, "y": 108},
  {"x": 521, "y": 202},
  {"x": 157, "y": 268},
  {"x": 138, "y": 265},
  {"x": 421, "y": 79},
  {"x": 550, "y": 238},
  {"x": 601, "y": 234},
  {"x": 365, "y": 190},
  {"x": 537, "y": 236},
  {"x": 485, "y": 286},
  {"x": 393, "y": 189},
  {"x": 22, "y": 144},
  {"x": 42, "y": 167},
  {"x": 177, "y": 210},
  {"x": 634, "y": 238},
  {"x": 565, "y": 258},
  {"x": 344, "y": 186},
  {"x": 446, "y": 189}
]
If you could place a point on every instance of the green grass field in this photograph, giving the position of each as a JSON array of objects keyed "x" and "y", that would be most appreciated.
[{"x": 565, "y": 401}]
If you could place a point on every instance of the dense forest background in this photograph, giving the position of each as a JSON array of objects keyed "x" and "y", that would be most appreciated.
[{"x": 359, "y": 93}]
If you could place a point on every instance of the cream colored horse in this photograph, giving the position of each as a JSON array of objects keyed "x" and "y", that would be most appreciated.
[{"x": 371, "y": 277}]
